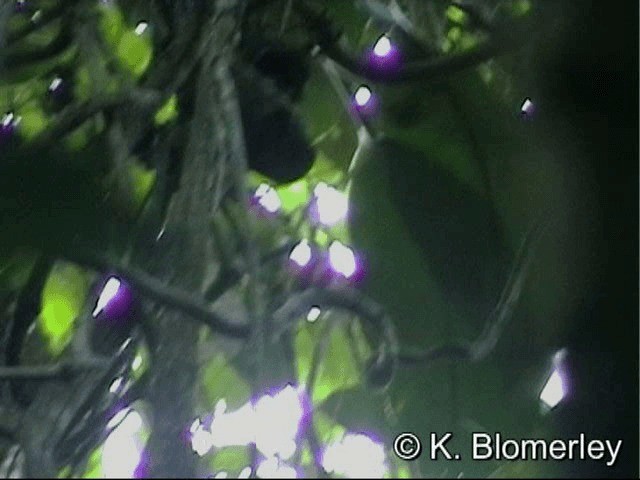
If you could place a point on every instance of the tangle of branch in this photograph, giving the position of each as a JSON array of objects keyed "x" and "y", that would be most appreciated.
[
  {"x": 156, "y": 290},
  {"x": 500, "y": 43}
]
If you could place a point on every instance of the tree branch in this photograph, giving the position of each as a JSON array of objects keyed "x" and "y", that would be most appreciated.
[
  {"x": 502, "y": 313},
  {"x": 57, "y": 371},
  {"x": 348, "y": 299},
  {"x": 167, "y": 296},
  {"x": 502, "y": 42}
]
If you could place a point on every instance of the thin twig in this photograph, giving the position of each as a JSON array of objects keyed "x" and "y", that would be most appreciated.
[{"x": 57, "y": 371}]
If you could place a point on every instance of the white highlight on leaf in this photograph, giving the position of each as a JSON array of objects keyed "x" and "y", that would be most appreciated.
[
  {"x": 268, "y": 198},
  {"x": 245, "y": 473},
  {"x": 109, "y": 291},
  {"x": 355, "y": 456},
  {"x": 314, "y": 314},
  {"x": 222, "y": 474},
  {"x": 301, "y": 253},
  {"x": 553, "y": 391},
  {"x": 342, "y": 259},
  {"x": 123, "y": 447},
  {"x": 382, "y": 48},
  {"x": 362, "y": 95},
  {"x": 332, "y": 204},
  {"x": 274, "y": 468},
  {"x": 141, "y": 27}
]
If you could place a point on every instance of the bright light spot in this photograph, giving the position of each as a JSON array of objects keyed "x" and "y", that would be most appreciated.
[
  {"x": 123, "y": 447},
  {"x": 116, "y": 384},
  {"x": 136, "y": 363},
  {"x": 201, "y": 439},
  {"x": 355, "y": 456},
  {"x": 108, "y": 293},
  {"x": 271, "y": 424},
  {"x": 313, "y": 314},
  {"x": 527, "y": 106},
  {"x": 55, "y": 83},
  {"x": 274, "y": 468},
  {"x": 362, "y": 95},
  {"x": 221, "y": 475},
  {"x": 553, "y": 391},
  {"x": 245, "y": 473},
  {"x": 342, "y": 259},
  {"x": 268, "y": 198},
  {"x": 382, "y": 47},
  {"x": 36, "y": 16},
  {"x": 277, "y": 420},
  {"x": 7, "y": 119},
  {"x": 141, "y": 28},
  {"x": 220, "y": 408},
  {"x": 301, "y": 253},
  {"x": 117, "y": 418},
  {"x": 332, "y": 204}
]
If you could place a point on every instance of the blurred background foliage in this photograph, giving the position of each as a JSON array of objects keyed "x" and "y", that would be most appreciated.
[{"x": 443, "y": 181}]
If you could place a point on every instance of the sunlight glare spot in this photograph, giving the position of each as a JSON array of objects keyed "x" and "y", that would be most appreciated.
[
  {"x": 362, "y": 95},
  {"x": 118, "y": 418},
  {"x": 222, "y": 474},
  {"x": 268, "y": 198},
  {"x": 332, "y": 204},
  {"x": 314, "y": 314},
  {"x": 108, "y": 293},
  {"x": 342, "y": 259},
  {"x": 355, "y": 456},
  {"x": 274, "y": 468},
  {"x": 116, "y": 385},
  {"x": 553, "y": 391},
  {"x": 141, "y": 27},
  {"x": 7, "y": 119},
  {"x": 245, "y": 473},
  {"x": 220, "y": 408},
  {"x": 137, "y": 363},
  {"x": 55, "y": 83},
  {"x": 382, "y": 47},
  {"x": 301, "y": 253},
  {"x": 271, "y": 424},
  {"x": 122, "y": 448},
  {"x": 527, "y": 107}
]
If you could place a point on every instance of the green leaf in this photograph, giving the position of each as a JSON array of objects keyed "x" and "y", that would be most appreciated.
[
  {"x": 168, "y": 111},
  {"x": 15, "y": 267},
  {"x": 143, "y": 181},
  {"x": 63, "y": 297},
  {"x": 327, "y": 429},
  {"x": 231, "y": 460},
  {"x": 456, "y": 14},
  {"x": 337, "y": 371},
  {"x": 294, "y": 195},
  {"x": 112, "y": 23},
  {"x": 33, "y": 120},
  {"x": 135, "y": 52},
  {"x": 220, "y": 380}
]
